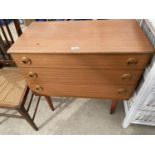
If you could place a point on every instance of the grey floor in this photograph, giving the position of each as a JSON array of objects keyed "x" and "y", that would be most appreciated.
[{"x": 74, "y": 116}]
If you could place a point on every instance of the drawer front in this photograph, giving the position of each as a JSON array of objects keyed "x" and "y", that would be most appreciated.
[
  {"x": 85, "y": 90},
  {"x": 82, "y": 76},
  {"x": 106, "y": 61}
]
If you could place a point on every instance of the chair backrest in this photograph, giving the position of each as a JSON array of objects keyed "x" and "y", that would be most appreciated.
[{"x": 6, "y": 40}]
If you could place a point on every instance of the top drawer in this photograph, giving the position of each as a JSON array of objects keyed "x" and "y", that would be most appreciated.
[{"x": 106, "y": 61}]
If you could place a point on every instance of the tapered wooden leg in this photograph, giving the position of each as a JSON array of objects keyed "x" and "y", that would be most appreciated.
[
  {"x": 25, "y": 114},
  {"x": 113, "y": 106},
  {"x": 49, "y": 101}
]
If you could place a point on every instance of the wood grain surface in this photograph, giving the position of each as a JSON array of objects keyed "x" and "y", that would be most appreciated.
[
  {"x": 110, "y": 36},
  {"x": 85, "y": 90},
  {"x": 81, "y": 76},
  {"x": 106, "y": 61}
]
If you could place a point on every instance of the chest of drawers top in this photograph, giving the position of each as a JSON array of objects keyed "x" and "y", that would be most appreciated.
[{"x": 99, "y": 36}]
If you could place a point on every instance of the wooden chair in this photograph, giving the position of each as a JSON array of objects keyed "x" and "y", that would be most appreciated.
[{"x": 13, "y": 88}]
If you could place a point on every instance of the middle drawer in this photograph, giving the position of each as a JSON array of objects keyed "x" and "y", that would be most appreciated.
[{"x": 82, "y": 76}]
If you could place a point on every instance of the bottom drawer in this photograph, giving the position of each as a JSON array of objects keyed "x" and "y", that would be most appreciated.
[{"x": 85, "y": 90}]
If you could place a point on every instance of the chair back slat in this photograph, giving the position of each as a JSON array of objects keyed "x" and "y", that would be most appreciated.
[
  {"x": 8, "y": 44},
  {"x": 8, "y": 30},
  {"x": 17, "y": 26},
  {"x": 6, "y": 40},
  {"x": 2, "y": 49}
]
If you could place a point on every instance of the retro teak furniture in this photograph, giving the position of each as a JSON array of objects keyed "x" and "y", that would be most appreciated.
[{"x": 99, "y": 59}]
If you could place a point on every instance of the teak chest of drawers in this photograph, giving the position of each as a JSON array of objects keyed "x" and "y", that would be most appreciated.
[{"x": 100, "y": 59}]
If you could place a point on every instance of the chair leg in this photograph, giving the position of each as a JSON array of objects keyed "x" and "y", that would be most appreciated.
[
  {"x": 49, "y": 101},
  {"x": 113, "y": 106},
  {"x": 25, "y": 114}
]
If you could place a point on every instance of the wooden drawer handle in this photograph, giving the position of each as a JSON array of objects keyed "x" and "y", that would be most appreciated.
[
  {"x": 132, "y": 61},
  {"x": 39, "y": 88},
  {"x": 126, "y": 77},
  {"x": 121, "y": 91},
  {"x": 26, "y": 60},
  {"x": 33, "y": 75}
]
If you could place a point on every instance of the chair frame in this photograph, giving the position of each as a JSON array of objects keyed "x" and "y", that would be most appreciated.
[
  {"x": 8, "y": 62},
  {"x": 24, "y": 112}
]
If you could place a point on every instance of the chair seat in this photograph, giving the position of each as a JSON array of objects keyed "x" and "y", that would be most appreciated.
[{"x": 12, "y": 87}]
